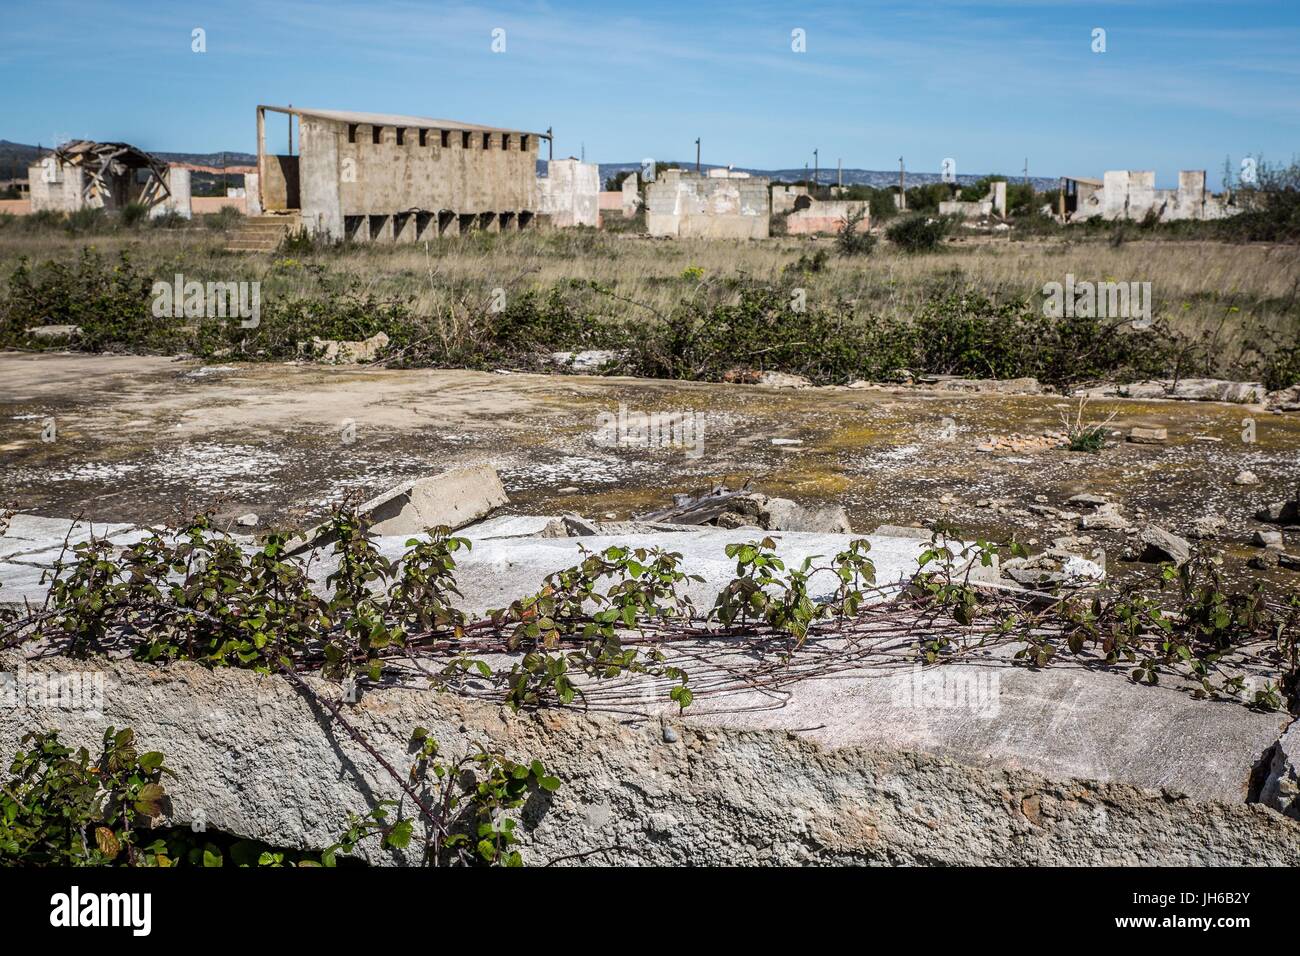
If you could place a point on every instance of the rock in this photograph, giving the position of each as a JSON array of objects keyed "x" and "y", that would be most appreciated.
[
  {"x": 1091, "y": 501},
  {"x": 1289, "y": 561},
  {"x": 1264, "y": 561},
  {"x": 1187, "y": 389},
  {"x": 1284, "y": 399},
  {"x": 1281, "y": 789},
  {"x": 782, "y": 514},
  {"x": 589, "y": 360},
  {"x": 783, "y": 380},
  {"x": 670, "y": 735},
  {"x": 1159, "y": 545},
  {"x": 247, "y": 521},
  {"x": 453, "y": 499},
  {"x": 1003, "y": 386},
  {"x": 1280, "y": 512},
  {"x": 54, "y": 331},
  {"x": 1267, "y": 539},
  {"x": 1208, "y": 526},
  {"x": 1105, "y": 518},
  {"x": 343, "y": 352},
  {"x": 1245, "y": 477},
  {"x": 1148, "y": 436}
]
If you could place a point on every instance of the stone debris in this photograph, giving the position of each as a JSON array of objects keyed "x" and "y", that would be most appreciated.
[
  {"x": 1280, "y": 512},
  {"x": 54, "y": 331},
  {"x": 589, "y": 360},
  {"x": 743, "y": 508},
  {"x": 1159, "y": 545},
  {"x": 1003, "y": 386},
  {"x": 1023, "y": 443},
  {"x": 1245, "y": 477},
  {"x": 1267, "y": 539},
  {"x": 1281, "y": 789},
  {"x": 1207, "y": 526},
  {"x": 1284, "y": 400},
  {"x": 452, "y": 499},
  {"x": 247, "y": 521},
  {"x": 1054, "y": 567},
  {"x": 1148, "y": 436},
  {"x": 344, "y": 352},
  {"x": 1186, "y": 389},
  {"x": 783, "y": 380},
  {"x": 1105, "y": 517}
]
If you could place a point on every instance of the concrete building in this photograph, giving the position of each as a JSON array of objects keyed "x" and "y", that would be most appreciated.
[
  {"x": 385, "y": 177},
  {"x": 995, "y": 203},
  {"x": 811, "y": 216},
  {"x": 784, "y": 197},
  {"x": 569, "y": 193},
  {"x": 1132, "y": 195},
  {"x": 689, "y": 205},
  {"x": 88, "y": 175}
]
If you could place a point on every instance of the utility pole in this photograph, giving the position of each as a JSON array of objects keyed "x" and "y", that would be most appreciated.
[
  {"x": 290, "y": 116},
  {"x": 550, "y": 144},
  {"x": 697, "y": 154},
  {"x": 582, "y": 152},
  {"x": 839, "y": 174},
  {"x": 816, "y": 171},
  {"x": 1026, "y": 170},
  {"x": 902, "y": 186}
]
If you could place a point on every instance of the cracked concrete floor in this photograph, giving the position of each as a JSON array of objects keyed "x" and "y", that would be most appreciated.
[{"x": 151, "y": 439}]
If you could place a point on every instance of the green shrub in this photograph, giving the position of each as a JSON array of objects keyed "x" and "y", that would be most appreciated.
[
  {"x": 851, "y": 242},
  {"x": 918, "y": 233}
]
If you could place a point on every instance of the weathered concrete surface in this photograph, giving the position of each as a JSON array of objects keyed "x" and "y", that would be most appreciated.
[
  {"x": 1281, "y": 789},
  {"x": 254, "y": 758},
  {"x": 684, "y": 205}
]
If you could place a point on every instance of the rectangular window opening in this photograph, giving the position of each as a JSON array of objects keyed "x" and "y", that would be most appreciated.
[{"x": 376, "y": 134}]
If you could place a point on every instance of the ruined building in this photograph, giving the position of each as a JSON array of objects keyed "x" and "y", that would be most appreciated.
[
  {"x": 83, "y": 174},
  {"x": 569, "y": 194},
  {"x": 689, "y": 205},
  {"x": 381, "y": 177},
  {"x": 1132, "y": 195}
]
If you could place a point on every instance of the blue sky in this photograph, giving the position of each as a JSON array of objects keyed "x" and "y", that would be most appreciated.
[{"x": 1182, "y": 83}]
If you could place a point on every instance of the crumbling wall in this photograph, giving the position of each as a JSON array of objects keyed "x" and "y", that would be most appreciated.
[
  {"x": 570, "y": 193},
  {"x": 826, "y": 217},
  {"x": 257, "y": 758},
  {"x": 688, "y": 205},
  {"x": 54, "y": 186},
  {"x": 1132, "y": 195}
]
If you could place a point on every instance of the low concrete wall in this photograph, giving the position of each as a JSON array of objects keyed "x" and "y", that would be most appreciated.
[
  {"x": 209, "y": 204},
  {"x": 826, "y": 217},
  {"x": 254, "y": 757}
]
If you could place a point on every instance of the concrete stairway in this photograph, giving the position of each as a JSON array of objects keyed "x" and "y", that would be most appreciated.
[{"x": 263, "y": 233}]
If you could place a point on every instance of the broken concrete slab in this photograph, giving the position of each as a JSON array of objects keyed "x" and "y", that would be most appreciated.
[
  {"x": 1148, "y": 436},
  {"x": 1187, "y": 389},
  {"x": 999, "y": 386},
  {"x": 254, "y": 758},
  {"x": 1155, "y": 544},
  {"x": 452, "y": 499},
  {"x": 343, "y": 352},
  {"x": 54, "y": 331},
  {"x": 1281, "y": 789}
]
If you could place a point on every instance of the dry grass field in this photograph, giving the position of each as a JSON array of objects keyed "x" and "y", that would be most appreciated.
[{"x": 1236, "y": 302}]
